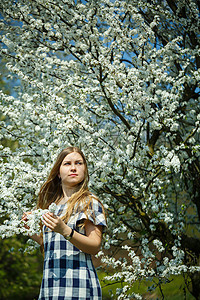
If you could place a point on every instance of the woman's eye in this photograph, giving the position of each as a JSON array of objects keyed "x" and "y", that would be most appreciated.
[{"x": 66, "y": 163}]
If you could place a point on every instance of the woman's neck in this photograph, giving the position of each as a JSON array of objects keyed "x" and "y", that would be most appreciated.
[{"x": 67, "y": 193}]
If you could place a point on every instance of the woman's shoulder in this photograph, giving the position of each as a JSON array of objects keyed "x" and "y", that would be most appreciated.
[
  {"x": 94, "y": 201},
  {"x": 92, "y": 209}
]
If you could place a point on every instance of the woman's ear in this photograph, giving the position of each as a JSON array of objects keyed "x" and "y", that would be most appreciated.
[{"x": 58, "y": 175}]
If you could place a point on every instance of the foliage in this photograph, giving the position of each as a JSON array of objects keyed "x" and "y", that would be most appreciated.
[
  {"x": 174, "y": 290},
  {"x": 120, "y": 79},
  {"x": 16, "y": 281}
]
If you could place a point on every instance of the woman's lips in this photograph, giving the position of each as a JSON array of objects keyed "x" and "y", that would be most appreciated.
[{"x": 73, "y": 175}]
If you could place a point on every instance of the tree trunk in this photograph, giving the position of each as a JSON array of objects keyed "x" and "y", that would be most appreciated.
[{"x": 195, "y": 289}]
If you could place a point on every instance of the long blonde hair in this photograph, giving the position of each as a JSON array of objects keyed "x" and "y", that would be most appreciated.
[{"x": 51, "y": 191}]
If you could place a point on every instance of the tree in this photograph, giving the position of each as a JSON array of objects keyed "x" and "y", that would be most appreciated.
[
  {"x": 120, "y": 79},
  {"x": 16, "y": 281}
]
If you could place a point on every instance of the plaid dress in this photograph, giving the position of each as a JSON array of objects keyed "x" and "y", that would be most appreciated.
[{"x": 68, "y": 273}]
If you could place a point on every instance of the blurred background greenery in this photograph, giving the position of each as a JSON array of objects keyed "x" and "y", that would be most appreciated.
[{"x": 20, "y": 273}]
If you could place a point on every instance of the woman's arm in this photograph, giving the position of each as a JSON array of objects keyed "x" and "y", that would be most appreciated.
[
  {"x": 89, "y": 243},
  {"x": 37, "y": 238}
]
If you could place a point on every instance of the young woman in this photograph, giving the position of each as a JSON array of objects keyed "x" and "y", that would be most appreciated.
[{"x": 73, "y": 233}]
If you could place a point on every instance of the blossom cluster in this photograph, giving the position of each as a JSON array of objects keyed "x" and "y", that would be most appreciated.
[{"x": 31, "y": 226}]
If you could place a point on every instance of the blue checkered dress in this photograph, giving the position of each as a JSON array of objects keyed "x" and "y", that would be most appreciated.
[{"x": 68, "y": 273}]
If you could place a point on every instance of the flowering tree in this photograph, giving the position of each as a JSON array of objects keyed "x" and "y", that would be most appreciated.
[{"x": 120, "y": 79}]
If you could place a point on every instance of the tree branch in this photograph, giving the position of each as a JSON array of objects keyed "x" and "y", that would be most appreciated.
[{"x": 116, "y": 112}]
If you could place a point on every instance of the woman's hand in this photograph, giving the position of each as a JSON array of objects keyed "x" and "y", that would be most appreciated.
[
  {"x": 25, "y": 218},
  {"x": 89, "y": 243},
  {"x": 55, "y": 223},
  {"x": 37, "y": 238}
]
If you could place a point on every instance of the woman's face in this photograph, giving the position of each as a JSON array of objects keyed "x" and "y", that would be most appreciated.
[{"x": 72, "y": 169}]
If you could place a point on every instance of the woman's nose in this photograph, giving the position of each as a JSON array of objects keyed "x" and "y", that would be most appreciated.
[{"x": 73, "y": 167}]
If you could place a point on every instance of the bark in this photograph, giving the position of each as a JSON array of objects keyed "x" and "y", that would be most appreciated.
[{"x": 195, "y": 291}]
